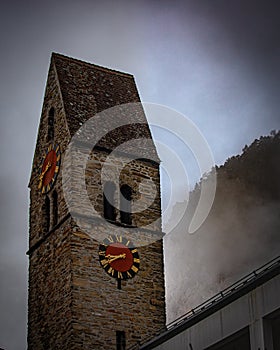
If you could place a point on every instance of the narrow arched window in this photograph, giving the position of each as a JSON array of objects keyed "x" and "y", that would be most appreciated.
[
  {"x": 109, "y": 194},
  {"x": 54, "y": 208},
  {"x": 125, "y": 204},
  {"x": 46, "y": 215},
  {"x": 51, "y": 124}
]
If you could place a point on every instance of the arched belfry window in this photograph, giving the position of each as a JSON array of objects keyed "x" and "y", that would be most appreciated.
[
  {"x": 46, "y": 215},
  {"x": 51, "y": 124},
  {"x": 125, "y": 204},
  {"x": 54, "y": 208},
  {"x": 109, "y": 195}
]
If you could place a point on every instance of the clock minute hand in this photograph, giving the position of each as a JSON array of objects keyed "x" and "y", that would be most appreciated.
[
  {"x": 112, "y": 258},
  {"x": 43, "y": 174}
]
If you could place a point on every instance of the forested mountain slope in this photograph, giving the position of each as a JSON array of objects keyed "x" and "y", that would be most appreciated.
[{"x": 241, "y": 233}]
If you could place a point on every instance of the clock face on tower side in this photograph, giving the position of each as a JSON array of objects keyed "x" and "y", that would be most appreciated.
[
  {"x": 49, "y": 168},
  {"x": 118, "y": 257}
]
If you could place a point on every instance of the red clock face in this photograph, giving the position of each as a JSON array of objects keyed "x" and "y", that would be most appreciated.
[
  {"x": 119, "y": 258},
  {"x": 49, "y": 168}
]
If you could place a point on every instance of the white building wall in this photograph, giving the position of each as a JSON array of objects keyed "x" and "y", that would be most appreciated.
[{"x": 248, "y": 310}]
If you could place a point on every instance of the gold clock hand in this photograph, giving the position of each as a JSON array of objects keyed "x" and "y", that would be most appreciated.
[
  {"x": 46, "y": 169},
  {"x": 43, "y": 174},
  {"x": 112, "y": 258}
]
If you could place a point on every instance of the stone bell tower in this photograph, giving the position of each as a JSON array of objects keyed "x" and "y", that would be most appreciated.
[{"x": 96, "y": 278}]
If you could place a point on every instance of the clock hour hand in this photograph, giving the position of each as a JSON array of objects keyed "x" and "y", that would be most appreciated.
[{"x": 112, "y": 258}]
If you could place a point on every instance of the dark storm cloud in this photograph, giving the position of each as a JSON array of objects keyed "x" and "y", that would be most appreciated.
[
  {"x": 218, "y": 61},
  {"x": 252, "y": 30}
]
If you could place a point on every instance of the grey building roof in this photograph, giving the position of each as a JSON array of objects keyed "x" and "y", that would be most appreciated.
[{"x": 225, "y": 297}]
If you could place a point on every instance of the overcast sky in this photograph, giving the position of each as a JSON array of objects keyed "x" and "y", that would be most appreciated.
[{"x": 216, "y": 62}]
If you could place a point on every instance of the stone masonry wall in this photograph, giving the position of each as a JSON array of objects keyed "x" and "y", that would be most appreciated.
[
  {"x": 49, "y": 297},
  {"x": 73, "y": 303},
  {"x": 50, "y": 288},
  {"x": 100, "y": 309},
  {"x": 141, "y": 176},
  {"x": 61, "y": 137}
]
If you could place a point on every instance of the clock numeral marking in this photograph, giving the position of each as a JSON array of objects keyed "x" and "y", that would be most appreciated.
[
  {"x": 111, "y": 271},
  {"x": 136, "y": 260},
  {"x": 102, "y": 253},
  {"x": 104, "y": 262},
  {"x": 110, "y": 238},
  {"x": 120, "y": 275},
  {"x": 134, "y": 268},
  {"x": 134, "y": 251},
  {"x": 127, "y": 243},
  {"x": 129, "y": 274},
  {"x": 119, "y": 239},
  {"x": 56, "y": 169}
]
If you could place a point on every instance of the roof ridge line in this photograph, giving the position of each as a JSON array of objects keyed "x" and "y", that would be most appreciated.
[{"x": 92, "y": 65}]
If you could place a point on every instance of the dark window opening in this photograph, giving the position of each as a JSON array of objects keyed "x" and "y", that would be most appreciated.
[
  {"x": 119, "y": 285},
  {"x": 51, "y": 124},
  {"x": 55, "y": 208},
  {"x": 108, "y": 201},
  {"x": 237, "y": 341},
  {"x": 125, "y": 205},
  {"x": 275, "y": 328},
  {"x": 271, "y": 326},
  {"x": 120, "y": 335},
  {"x": 46, "y": 215}
]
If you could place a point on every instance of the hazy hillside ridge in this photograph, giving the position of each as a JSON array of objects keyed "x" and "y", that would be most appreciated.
[{"x": 241, "y": 233}]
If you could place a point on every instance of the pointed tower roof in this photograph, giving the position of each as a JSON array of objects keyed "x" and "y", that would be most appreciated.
[
  {"x": 82, "y": 90},
  {"x": 88, "y": 89}
]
